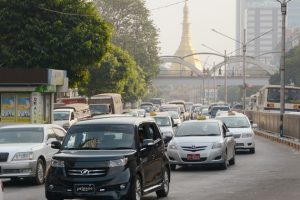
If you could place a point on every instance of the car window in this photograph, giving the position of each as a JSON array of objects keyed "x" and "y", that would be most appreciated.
[
  {"x": 100, "y": 136},
  {"x": 21, "y": 135},
  {"x": 198, "y": 129},
  {"x": 60, "y": 134},
  {"x": 162, "y": 121},
  {"x": 154, "y": 131},
  {"x": 235, "y": 122},
  {"x": 51, "y": 134}
]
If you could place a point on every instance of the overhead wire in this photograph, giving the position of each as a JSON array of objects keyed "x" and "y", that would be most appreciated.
[{"x": 169, "y": 5}]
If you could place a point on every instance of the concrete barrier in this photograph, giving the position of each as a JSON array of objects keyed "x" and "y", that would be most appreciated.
[{"x": 275, "y": 138}]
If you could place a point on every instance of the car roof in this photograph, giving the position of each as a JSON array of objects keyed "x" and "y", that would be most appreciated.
[
  {"x": 117, "y": 120},
  {"x": 231, "y": 114},
  {"x": 202, "y": 121}
]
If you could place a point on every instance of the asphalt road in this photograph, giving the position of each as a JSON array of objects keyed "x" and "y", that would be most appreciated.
[{"x": 273, "y": 173}]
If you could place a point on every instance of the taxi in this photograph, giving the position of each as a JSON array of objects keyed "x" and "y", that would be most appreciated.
[{"x": 241, "y": 128}]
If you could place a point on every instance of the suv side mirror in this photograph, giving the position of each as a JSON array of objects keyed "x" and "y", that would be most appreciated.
[
  {"x": 148, "y": 142},
  {"x": 55, "y": 145},
  {"x": 167, "y": 139}
]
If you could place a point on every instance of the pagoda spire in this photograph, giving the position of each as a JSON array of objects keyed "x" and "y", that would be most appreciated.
[{"x": 186, "y": 48}]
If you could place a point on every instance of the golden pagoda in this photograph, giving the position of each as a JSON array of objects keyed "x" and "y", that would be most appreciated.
[{"x": 186, "y": 48}]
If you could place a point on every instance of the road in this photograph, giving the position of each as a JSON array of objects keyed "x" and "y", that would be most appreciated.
[{"x": 273, "y": 173}]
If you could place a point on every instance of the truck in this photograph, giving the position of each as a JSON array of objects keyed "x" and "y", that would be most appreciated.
[{"x": 106, "y": 103}]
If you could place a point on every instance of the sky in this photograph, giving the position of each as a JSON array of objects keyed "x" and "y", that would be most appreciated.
[{"x": 204, "y": 15}]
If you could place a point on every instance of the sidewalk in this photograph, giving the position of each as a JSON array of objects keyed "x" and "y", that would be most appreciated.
[{"x": 276, "y": 138}]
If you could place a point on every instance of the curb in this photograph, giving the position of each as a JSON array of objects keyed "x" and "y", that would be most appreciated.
[{"x": 276, "y": 138}]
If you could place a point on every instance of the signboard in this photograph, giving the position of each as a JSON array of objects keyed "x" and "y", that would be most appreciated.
[
  {"x": 23, "y": 108},
  {"x": 56, "y": 77},
  {"x": 8, "y": 108},
  {"x": 36, "y": 108}
]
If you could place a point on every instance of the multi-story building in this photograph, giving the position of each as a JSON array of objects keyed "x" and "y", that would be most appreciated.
[{"x": 259, "y": 17}]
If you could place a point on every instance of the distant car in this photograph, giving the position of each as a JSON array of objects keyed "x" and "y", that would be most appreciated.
[
  {"x": 213, "y": 111},
  {"x": 240, "y": 126},
  {"x": 26, "y": 150},
  {"x": 202, "y": 142},
  {"x": 176, "y": 117},
  {"x": 109, "y": 158},
  {"x": 135, "y": 112},
  {"x": 1, "y": 190},
  {"x": 148, "y": 107},
  {"x": 165, "y": 124}
]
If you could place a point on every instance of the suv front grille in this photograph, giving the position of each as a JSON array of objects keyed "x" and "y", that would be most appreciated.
[
  {"x": 3, "y": 157},
  {"x": 86, "y": 172},
  {"x": 193, "y": 148}
]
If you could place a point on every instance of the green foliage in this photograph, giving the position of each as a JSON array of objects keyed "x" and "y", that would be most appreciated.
[
  {"x": 32, "y": 37},
  {"x": 235, "y": 93},
  {"x": 134, "y": 31},
  {"x": 117, "y": 73},
  {"x": 292, "y": 69}
]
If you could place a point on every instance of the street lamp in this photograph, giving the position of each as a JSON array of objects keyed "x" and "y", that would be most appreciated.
[
  {"x": 244, "y": 47},
  {"x": 225, "y": 70},
  {"x": 283, "y": 4}
]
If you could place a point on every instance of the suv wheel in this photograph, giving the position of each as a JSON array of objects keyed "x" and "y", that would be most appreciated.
[
  {"x": 40, "y": 172},
  {"x": 136, "y": 190},
  {"x": 166, "y": 185}
]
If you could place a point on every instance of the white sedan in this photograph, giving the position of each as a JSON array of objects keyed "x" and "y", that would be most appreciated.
[
  {"x": 25, "y": 150},
  {"x": 200, "y": 142}
]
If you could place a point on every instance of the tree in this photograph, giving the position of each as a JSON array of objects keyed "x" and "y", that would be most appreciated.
[
  {"x": 134, "y": 31},
  {"x": 292, "y": 70},
  {"x": 117, "y": 73},
  {"x": 58, "y": 34}
]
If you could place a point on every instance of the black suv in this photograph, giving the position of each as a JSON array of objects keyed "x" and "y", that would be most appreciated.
[{"x": 113, "y": 157}]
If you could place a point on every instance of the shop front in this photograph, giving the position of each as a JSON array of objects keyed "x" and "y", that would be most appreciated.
[{"x": 27, "y": 95}]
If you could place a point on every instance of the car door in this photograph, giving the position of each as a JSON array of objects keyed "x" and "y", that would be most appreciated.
[{"x": 230, "y": 143}]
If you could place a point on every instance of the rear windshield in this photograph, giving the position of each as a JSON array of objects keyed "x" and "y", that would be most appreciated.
[
  {"x": 198, "y": 129},
  {"x": 21, "y": 135},
  {"x": 235, "y": 122},
  {"x": 100, "y": 137}
]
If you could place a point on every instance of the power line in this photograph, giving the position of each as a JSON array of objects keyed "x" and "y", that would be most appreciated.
[
  {"x": 166, "y": 6},
  {"x": 64, "y": 13}
]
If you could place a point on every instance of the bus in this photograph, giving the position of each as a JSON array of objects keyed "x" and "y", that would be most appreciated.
[{"x": 268, "y": 98}]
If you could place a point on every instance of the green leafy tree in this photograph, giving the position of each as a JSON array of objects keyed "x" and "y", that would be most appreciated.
[
  {"x": 117, "y": 73},
  {"x": 292, "y": 70},
  {"x": 58, "y": 34},
  {"x": 134, "y": 31}
]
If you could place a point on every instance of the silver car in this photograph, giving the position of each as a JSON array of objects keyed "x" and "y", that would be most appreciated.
[
  {"x": 25, "y": 150},
  {"x": 199, "y": 142}
]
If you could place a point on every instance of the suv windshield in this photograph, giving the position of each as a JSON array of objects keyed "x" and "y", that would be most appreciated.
[
  {"x": 235, "y": 122},
  {"x": 100, "y": 137}
]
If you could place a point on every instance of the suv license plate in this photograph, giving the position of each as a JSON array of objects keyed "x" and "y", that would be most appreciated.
[
  {"x": 193, "y": 157},
  {"x": 85, "y": 188}
]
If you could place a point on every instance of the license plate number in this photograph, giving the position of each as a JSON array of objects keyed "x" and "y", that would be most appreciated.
[
  {"x": 85, "y": 188},
  {"x": 193, "y": 157}
]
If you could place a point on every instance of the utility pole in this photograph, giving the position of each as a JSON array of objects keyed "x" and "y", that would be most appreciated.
[{"x": 283, "y": 4}]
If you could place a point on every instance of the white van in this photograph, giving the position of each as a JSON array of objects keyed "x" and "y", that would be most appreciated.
[{"x": 69, "y": 114}]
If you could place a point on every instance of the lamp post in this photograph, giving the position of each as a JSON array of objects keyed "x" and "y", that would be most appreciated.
[
  {"x": 244, "y": 47},
  {"x": 225, "y": 70},
  {"x": 283, "y": 4}
]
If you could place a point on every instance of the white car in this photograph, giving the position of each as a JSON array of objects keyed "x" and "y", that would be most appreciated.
[
  {"x": 25, "y": 150},
  {"x": 201, "y": 142},
  {"x": 175, "y": 116},
  {"x": 240, "y": 126},
  {"x": 165, "y": 124}
]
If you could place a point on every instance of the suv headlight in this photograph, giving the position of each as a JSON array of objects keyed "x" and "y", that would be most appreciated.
[
  {"x": 247, "y": 135},
  {"x": 57, "y": 163},
  {"x": 118, "y": 163},
  {"x": 23, "y": 156},
  {"x": 217, "y": 145}
]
